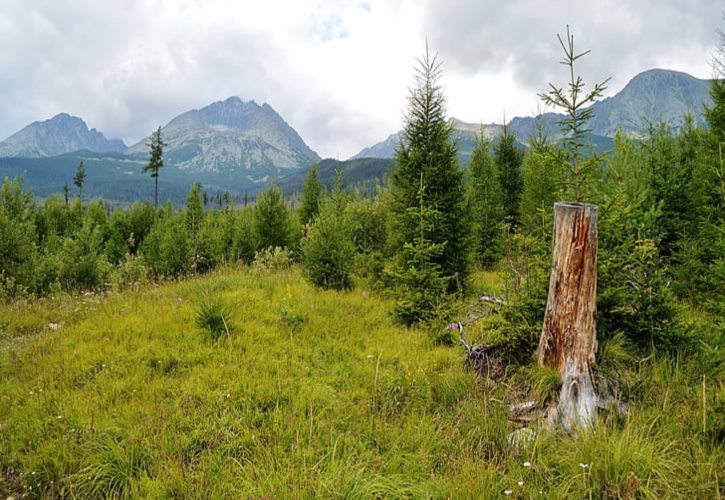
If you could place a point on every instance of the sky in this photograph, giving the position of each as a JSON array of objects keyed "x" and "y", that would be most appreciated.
[{"x": 337, "y": 71}]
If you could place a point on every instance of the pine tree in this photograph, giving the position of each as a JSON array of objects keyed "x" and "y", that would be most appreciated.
[
  {"x": 426, "y": 153},
  {"x": 311, "y": 196},
  {"x": 508, "y": 158},
  {"x": 80, "y": 178},
  {"x": 65, "y": 193},
  {"x": 485, "y": 208},
  {"x": 156, "y": 161},
  {"x": 271, "y": 219}
]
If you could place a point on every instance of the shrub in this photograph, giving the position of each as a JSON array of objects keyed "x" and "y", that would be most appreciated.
[
  {"x": 272, "y": 219},
  {"x": 166, "y": 248},
  {"x": 272, "y": 258},
  {"x": 81, "y": 266},
  {"x": 328, "y": 251},
  {"x": 130, "y": 272}
]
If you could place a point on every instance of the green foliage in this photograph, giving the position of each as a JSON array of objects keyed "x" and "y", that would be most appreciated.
[
  {"x": 194, "y": 209},
  {"x": 576, "y": 105},
  {"x": 543, "y": 185},
  {"x": 166, "y": 249},
  {"x": 272, "y": 258},
  {"x": 634, "y": 284},
  {"x": 508, "y": 159},
  {"x": 17, "y": 244},
  {"x": 312, "y": 195},
  {"x": 426, "y": 153},
  {"x": 208, "y": 245},
  {"x": 272, "y": 220},
  {"x": 715, "y": 114},
  {"x": 81, "y": 265},
  {"x": 421, "y": 284},
  {"x": 328, "y": 250},
  {"x": 484, "y": 198},
  {"x": 367, "y": 221},
  {"x": 141, "y": 217},
  {"x": 130, "y": 272},
  {"x": 638, "y": 300}
]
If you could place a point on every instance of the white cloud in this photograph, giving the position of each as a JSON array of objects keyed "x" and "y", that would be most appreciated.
[{"x": 337, "y": 70}]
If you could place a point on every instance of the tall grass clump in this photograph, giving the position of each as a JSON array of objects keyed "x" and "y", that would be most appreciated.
[{"x": 215, "y": 318}]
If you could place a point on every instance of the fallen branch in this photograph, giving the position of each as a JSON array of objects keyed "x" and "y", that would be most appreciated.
[
  {"x": 484, "y": 360},
  {"x": 492, "y": 300}
]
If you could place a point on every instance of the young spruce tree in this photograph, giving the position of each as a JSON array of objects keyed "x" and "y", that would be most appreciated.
[
  {"x": 508, "y": 158},
  {"x": 272, "y": 219},
  {"x": 427, "y": 158},
  {"x": 485, "y": 208},
  {"x": 311, "y": 196}
]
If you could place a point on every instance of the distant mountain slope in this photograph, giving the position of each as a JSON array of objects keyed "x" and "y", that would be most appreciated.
[
  {"x": 653, "y": 96},
  {"x": 59, "y": 135},
  {"x": 359, "y": 173},
  {"x": 232, "y": 135}
]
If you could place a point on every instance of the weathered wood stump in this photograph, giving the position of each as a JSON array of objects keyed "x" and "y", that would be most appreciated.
[{"x": 568, "y": 338}]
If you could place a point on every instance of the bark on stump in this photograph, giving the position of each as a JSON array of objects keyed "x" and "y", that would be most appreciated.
[{"x": 568, "y": 338}]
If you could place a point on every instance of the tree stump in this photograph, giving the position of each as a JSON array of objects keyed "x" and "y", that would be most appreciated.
[{"x": 568, "y": 338}]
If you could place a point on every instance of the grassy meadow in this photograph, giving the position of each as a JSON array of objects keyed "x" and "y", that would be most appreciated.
[{"x": 316, "y": 394}]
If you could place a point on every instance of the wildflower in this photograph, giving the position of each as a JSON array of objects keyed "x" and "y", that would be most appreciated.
[
  {"x": 59, "y": 417},
  {"x": 454, "y": 326},
  {"x": 507, "y": 492},
  {"x": 520, "y": 483},
  {"x": 527, "y": 464},
  {"x": 584, "y": 466}
]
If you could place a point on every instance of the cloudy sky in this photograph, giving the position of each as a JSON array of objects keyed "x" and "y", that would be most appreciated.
[{"x": 338, "y": 71}]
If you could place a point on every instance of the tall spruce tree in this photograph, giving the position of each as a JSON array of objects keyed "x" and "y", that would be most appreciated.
[
  {"x": 426, "y": 157},
  {"x": 311, "y": 195},
  {"x": 80, "y": 178},
  {"x": 509, "y": 158},
  {"x": 485, "y": 208},
  {"x": 156, "y": 161}
]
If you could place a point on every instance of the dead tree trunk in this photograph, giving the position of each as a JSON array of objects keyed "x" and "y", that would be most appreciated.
[{"x": 568, "y": 338}]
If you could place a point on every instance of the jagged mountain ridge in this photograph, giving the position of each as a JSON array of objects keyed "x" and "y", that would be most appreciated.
[
  {"x": 59, "y": 135},
  {"x": 232, "y": 135},
  {"x": 651, "y": 97}
]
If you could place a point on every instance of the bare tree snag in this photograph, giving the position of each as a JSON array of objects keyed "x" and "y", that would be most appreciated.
[{"x": 568, "y": 338}]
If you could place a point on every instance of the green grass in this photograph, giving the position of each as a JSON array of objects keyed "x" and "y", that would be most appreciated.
[{"x": 313, "y": 394}]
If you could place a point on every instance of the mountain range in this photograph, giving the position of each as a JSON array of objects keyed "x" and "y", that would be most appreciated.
[
  {"x": 238, "y": 146},
  {"x": 61, "y": 134},
  {"x": 652, "y": 97}
]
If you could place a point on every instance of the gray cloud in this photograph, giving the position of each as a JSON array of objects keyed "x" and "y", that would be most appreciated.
[
  {"x": 625, "y": 37},
  {"x": 127, "y": 66}
]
